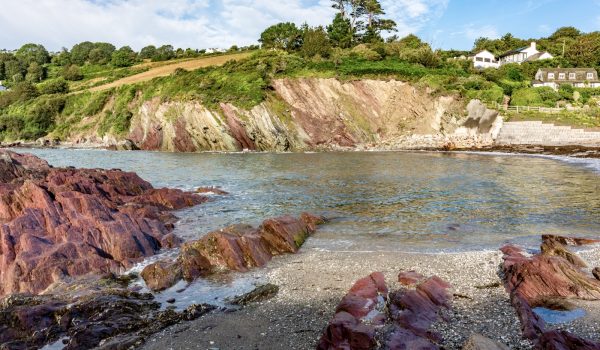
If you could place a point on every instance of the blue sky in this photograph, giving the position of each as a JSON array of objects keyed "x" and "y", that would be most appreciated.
[{"x": 222, "y": 23}]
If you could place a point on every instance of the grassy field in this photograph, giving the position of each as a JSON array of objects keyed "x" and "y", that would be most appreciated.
[
  {"x": 155, "y": 70},
  {"x": 577, "y": 119}
]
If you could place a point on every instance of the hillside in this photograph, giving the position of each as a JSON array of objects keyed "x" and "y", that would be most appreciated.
[{"x": 161, "y": 70}]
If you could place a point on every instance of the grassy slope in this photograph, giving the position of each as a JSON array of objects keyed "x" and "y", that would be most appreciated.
[{"x": 244, "y": 83}]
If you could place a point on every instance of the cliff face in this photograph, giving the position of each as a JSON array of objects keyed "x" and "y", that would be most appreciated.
[{"x": 300, "y": 114}]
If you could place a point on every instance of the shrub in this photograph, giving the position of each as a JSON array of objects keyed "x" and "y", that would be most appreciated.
[
  {"x": 542, "y": 97},
  {"x": 55, "y": 86},
  {"x": 72, "y": 73},
  {"x": 364, "y": 52}
]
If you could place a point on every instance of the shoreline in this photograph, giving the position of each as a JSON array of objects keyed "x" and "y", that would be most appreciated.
[
  {"x": 568, "y": 150},
  {"x": 313, "y": 282}
]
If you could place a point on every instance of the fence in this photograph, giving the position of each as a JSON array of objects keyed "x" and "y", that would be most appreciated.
[{"x": 518, "y": 109}]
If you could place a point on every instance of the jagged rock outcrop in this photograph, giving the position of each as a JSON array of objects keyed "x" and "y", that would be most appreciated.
[
  {"x": 237, "y": 248},
  {"x": 61, "y": 223},
  {"x": 370, "y": 317},
  {"x": 540, "y": 280},
  {"x": 86, "y": 317}
]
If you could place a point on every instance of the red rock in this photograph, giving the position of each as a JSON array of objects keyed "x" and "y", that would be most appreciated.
[
  {"x": 362, "y": 321},
  {"x": 61, "y": 223},
  {"x": 596, "y": 273},
  {"x": 539, "y": 277},
  {"x": 161, "y": 275},
  {"x": 570, "y": 240},
  {"x": 535, "y": 280},
  {"x": 409, "y": 278},
  {"x": 562, "y": 340},
  {"x": 239, "y": 248}
]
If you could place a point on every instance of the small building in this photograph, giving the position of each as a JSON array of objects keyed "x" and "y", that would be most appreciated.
[
  {"x": 485, "y": 59},
  {"x": 524, "y": 54},
  {"x": 576, "y": 77}
]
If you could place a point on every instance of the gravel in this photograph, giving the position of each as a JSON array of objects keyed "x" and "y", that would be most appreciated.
[{"x": 313, "y": 282}]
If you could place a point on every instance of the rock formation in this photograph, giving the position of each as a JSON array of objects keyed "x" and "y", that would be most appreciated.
[
  {"x": 540, "y": 280},
  {"x": 86, "y": 317},
  {"x": 370, "y": 317},
  {"x": 61, "y": 223},
  {"x": 237, "y": 248}
]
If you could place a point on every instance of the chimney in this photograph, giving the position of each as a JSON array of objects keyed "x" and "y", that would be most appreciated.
[{"x": 534, "y": 45}]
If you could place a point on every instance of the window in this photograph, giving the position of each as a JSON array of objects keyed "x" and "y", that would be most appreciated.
[
  {"x": 572, "y": 76},
  {"x": 562, "y": 76},
  {"x": 488, "y": 60},
  {"x": 479, "y": 59},
  {"x": 590, "y": 76},
  {"x": 551, "y": 76}
]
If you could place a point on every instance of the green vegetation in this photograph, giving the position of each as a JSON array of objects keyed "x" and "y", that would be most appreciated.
[{"x": 49, "y": 92}]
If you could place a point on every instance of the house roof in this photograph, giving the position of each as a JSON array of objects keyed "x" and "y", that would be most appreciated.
[
  {"x": 512, "y": 52},
  {"x": 580, "y": 75}
]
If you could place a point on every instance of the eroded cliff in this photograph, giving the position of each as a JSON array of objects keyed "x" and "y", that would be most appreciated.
[{"x": 298, "y": 114}]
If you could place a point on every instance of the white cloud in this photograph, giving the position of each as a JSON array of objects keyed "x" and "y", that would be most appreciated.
[
  {"x": 474, "y": 31},
  {"x": 182, "y": 23}
]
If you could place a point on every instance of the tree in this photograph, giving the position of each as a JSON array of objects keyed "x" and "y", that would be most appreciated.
[
  {"x": 35, "y": 73},
  {"x": 81, "y": 52},
  {"x": 124, "y": 57},
  {"x": 283, "y": 36},
  {"x": 14, "y": 71},
  {"x": 63, "y": 58},
  {"x": 101, "y": 53},
  {"x": 315, "y": 42},
  {"x": 54, "y": 86},
  {"x": 566, "y": 32},
  {"x": 585, "y": 50},
  {"x": 148, "y": 52},
  {"x": 164, "y": 53},
  {"x": 30, "y": 53},
  {"x": 340, "y": 32}
]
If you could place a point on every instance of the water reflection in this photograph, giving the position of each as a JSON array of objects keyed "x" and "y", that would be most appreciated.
[{"x": 380, "y": 201}]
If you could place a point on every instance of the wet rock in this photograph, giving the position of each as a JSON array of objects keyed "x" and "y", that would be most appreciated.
[
  {"x": 63, "y": 223},
  {"x": 260, "y": 293},
  {"x": 479, "y": 342},
  {"x": 214, "y": 190},
  {"x": 573, "y": 241},
  {"x": 161, "y": 275},
  {"x": 561, "y": 340},
  {"x": 115, "y": 318},
  {"x": 237, "y": 248}
]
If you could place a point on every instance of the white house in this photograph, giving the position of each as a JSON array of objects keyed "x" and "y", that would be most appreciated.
[
  {"x": 577, "y": 77},
  {"x": 485, "y": 59},
  {"x": 524, "y": 54}
]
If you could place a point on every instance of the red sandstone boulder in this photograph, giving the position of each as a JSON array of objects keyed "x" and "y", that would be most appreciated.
[
  {"x": 237, "y": 248},
  {"x": 61, "y": 223},
  {"x": 369, "y": 317},
  {"x": 537, "y": 280}
]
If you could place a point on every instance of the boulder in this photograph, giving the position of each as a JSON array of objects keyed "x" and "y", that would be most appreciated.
[
  {"x": 370, "y": 317},
  {"x": 58, "y": 223},
  {"x": 545, "y": 279},
  {"x": 479, "y": 342},
  {"x": 596, "y": 273},
  {"x": 238, "y": 248},
  {"x": 409, "y": 278}
]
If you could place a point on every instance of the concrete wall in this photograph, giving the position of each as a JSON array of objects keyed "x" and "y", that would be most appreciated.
[{"x": 538, "y": 133}]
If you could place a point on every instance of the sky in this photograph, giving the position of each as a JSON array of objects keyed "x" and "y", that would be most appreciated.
[{"x": 221, "y": 23}]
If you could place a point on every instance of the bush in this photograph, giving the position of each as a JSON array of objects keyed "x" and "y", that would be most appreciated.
[
  {"x": 362, "y": 51},
  {"x": 55, "y": 86},
  {"x": 72, "y": 73},
  {"x": 537, "y": 97}
]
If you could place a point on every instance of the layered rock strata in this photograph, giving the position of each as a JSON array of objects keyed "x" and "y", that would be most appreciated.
[
  {"x": 236, "y": 248},
  {"x": 370, "y": 317},
  {"x": 61, "y": 223},
  {"x": 545, "y": 280}
]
